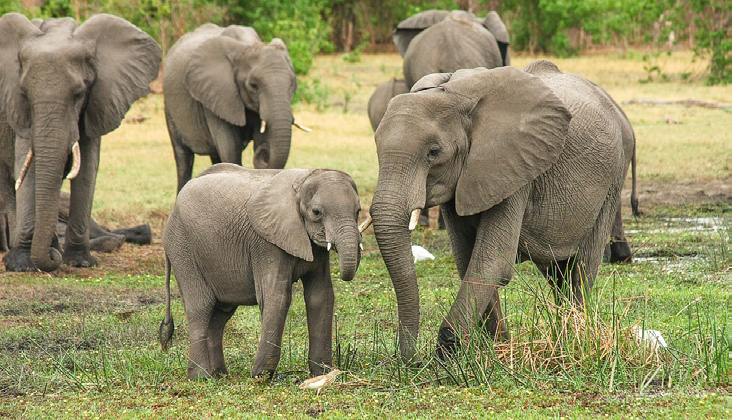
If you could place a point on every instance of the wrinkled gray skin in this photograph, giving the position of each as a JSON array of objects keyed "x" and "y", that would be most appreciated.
[
  {"x": 219, "y": 84},
  {"x": 240, "y": 236},
  {"x": 101, "y": 238},
  {"x": 381, "y": 97},
  {"x": 526, "y": 164},
  {"x": 438, "y": 41},
  {"x": 61, "y": 83}
]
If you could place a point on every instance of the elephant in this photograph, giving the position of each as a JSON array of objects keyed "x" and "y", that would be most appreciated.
[
  {"x": 223, "y": 88},
  {"x": 101, "y": 238},
  {"x": 239, "y": 236},
  {"x": 525, "y": 165},
  {"x": 62, "y": 86},
  {"x": 381, "y": 97},
  {"x": 438, "y": 41}
]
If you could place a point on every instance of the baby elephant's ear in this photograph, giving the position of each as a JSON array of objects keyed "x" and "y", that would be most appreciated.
[{"x": 274, "y": 212}]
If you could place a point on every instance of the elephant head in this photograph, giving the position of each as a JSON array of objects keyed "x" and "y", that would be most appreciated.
[
  {"x": 231, "y": 74},
  {"x": 298, "y": 207},
  {"x": 468, "y": 139},
  {"x": 61, "y": 83}
]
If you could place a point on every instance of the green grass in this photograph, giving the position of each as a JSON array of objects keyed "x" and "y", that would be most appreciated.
[{"x": 83, "y": 342}]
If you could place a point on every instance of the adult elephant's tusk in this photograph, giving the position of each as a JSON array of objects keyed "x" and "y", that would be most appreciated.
[
  {"x": 301, "y": 127},
  {"x": 360, "y": 246},
  {"x": 263, "y": 128},
  {"x": 329, "y": 246},
  {"x": 365, "y": 225},
  {"x": 76, "y": 162},
  {"x": 24, "y": 170},
  {"x": 414, "y": 219}
]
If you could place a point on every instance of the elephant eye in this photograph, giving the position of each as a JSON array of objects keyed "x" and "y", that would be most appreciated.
[
  {"x": 253, "y": 86},
  {"x": 434, "y": 152},
  {"x": 316, "y": 212}
]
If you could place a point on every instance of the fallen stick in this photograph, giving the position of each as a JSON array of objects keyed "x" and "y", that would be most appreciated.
[{"x": 684, "y": 102}]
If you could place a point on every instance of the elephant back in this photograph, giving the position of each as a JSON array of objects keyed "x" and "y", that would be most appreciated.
[{"x": 448, "y": 46}]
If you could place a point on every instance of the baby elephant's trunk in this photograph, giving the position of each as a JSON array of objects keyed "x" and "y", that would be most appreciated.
[{"x": 167, "y": 327}]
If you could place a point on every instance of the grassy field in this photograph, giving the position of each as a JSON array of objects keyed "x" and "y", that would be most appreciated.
[{"x": 82, "y": 343}]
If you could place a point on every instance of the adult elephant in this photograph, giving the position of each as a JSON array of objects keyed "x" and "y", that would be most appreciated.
[
  {"x": 62, "y": 86},
  {"x": 223, "y": 88},
  {"x": 526, "y": 164},
  {"x": 438, "y": 41}
]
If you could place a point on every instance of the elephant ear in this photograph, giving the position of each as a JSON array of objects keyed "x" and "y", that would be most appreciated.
[
  {"x": 126, "y": 61},
  {"x": 518, "y": 131},
  {"x": 495, "y": 25},
  {"x": 211, "y": 80},
  {"x": 14, "y": 28},
  {"x": 274, "y": 212},
  {"x": 407, "y": 29}
]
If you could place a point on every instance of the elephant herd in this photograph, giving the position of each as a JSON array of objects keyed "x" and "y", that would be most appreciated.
[{"x": 524, "y": 165}]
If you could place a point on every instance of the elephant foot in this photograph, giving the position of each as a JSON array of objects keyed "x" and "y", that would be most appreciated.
[
  {"x": 620, "y": 251},
  {"x": 447, "y": 343},
  {"x": 19, "y": 259},
  {"x": 141, "y": 235},
  {"x": 196, "y": 373},
  {"x": 107, "y": 243},
  {"x": 75, "y": 257}
]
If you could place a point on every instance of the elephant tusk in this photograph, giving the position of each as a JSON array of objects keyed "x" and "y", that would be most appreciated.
[
  {"x": 413, "y": 220},
  {"x": 328, "y": 247},
  {"x": 263, "y": 127},
  {"x": 76, "y": 163},
  {"x": 360, "y": 246},
  {"x": 365, "y": 225},
  {"x": 302, "y": 127},
  {"x": 24, "y": 170}
]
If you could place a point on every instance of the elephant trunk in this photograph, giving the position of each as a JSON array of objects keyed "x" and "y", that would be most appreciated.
[
  {"x": 278, "y": 116},
  {"x": 347, "y": 244},
  {"x": 390, "y": 212},
  {"x": 49, "y": 166}
]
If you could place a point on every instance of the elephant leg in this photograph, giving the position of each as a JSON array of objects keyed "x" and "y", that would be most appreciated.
[
  {"x": 619, "y": 249},
  {"x": 7, "y": 207},
  {"x": 319, "y": 299},
  {"x": 140, "y": 234},
  {"x": 219, "y": 317},
  {"x": 461, "y": 231},
  {"x": 274, "y": 297},
  {"x": 226, "y": 138},
  {"x": 215, "y": 158},
  {"x": 77, "y": 247},
  {"x": 491, "y": 266},
  {"x": 21, "y": 238},
  {"x": 183, "y": 155}
]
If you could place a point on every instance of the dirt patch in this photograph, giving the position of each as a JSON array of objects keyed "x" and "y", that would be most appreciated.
[{"x": 652, "y": 192}]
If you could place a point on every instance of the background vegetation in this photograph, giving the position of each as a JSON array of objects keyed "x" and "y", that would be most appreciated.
[{"x": 560, "y": 27}]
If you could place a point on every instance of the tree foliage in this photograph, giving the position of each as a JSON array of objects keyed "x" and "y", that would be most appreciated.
[{"x": 308, "y": 27}]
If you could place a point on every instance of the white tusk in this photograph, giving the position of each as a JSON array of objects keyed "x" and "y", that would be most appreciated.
[
  {"x": 302, "y": 127},
  {"x": 24, "y": 170},
  {"x": 360, "y": 246},
  {"x": 414, "y": 219},
  {"x": 76, "y": 163},
  {"x": 263, "y": 127},
  {"x": 328, "y": 247},
  {"x": 365, "y": 225}
]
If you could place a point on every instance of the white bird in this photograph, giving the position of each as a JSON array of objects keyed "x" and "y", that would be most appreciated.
[
  {"x": 421, "y": 254},
  {"x": 320, "y": 382},
  {"x": 653, "y": 337}
]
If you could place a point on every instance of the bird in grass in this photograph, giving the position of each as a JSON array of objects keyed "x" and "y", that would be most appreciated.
[
  {"x": 653, "y": 337},
  {"x": 320, "y": 382}
]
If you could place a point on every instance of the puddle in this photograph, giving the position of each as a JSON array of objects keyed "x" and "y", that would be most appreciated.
[{"x": 685, "y": 224}]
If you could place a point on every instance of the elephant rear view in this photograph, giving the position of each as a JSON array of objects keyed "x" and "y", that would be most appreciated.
[
  {"x": 438, "y": 41},
  {"x": 240, "y": 236},
  {"x": 224, "y": 88}
]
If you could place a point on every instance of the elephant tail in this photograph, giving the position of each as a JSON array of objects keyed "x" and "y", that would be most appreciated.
[
  {"x": 167, "y": 327},
  {"x": 633, "y": 191}
]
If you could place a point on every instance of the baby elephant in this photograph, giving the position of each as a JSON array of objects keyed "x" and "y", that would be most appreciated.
[{"x": 239, "y": 236}]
